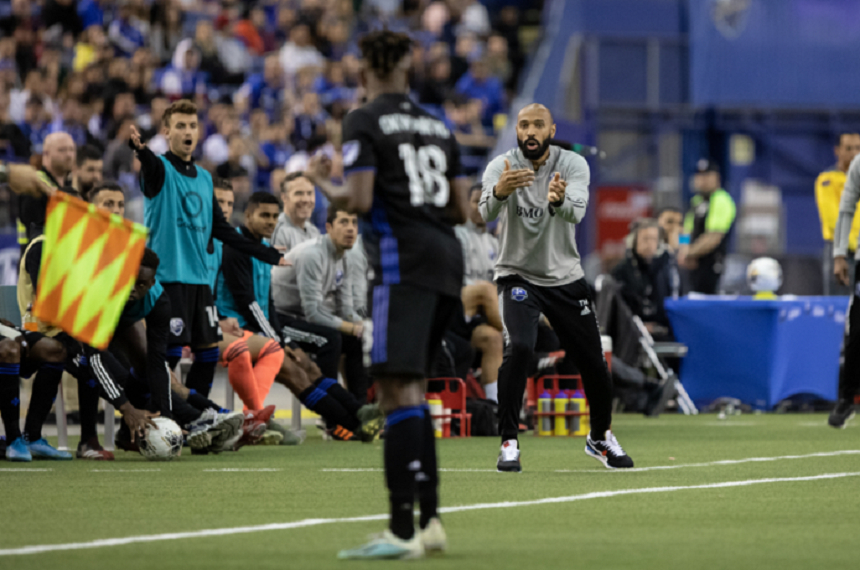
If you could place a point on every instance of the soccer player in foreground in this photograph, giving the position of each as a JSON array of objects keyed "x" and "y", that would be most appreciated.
[
  {"x": 403, "y": 168},
  {"x": 541, "y": 192}
]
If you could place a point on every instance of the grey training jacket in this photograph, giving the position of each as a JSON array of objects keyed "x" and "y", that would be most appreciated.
[
  {"x": 316, "y": 282},
  {"x": 537, "y": 242},
  {"x": 847, "y": 206}
]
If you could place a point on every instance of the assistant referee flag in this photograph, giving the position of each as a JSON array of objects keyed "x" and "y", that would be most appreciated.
[{"x": 89, "y": 263}]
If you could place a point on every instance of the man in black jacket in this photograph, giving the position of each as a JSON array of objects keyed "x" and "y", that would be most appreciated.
[{"x": 647, "y": 276}]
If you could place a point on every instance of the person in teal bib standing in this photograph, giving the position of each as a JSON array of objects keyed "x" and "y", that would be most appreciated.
[{"x": 183, "y": 217}]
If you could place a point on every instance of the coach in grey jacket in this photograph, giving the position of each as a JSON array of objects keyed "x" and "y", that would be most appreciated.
[
  {"x": 294, "y": 224},
  {"x": 314, "y": 301},
  {"x": 540, "y": 192},
  {"x": 849, "y": 380}
]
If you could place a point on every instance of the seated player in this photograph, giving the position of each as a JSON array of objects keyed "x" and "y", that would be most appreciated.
[
  {"x": 50, "y": 373},
  {"x": 483, "y": 326},
  {"x": 251, "y": 358},
  {"x": 21, "y": 354},
  {"x": 209, "y": 427},
  {"x": 314, "y": 301}
]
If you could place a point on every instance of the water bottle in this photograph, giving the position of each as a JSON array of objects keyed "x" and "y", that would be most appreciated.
[
  {"x": 545, "y": 406},
  {"x": 580, "y": 405},
  {"x": 560, "y": 404},
  {"x": 436, "y": 409}
]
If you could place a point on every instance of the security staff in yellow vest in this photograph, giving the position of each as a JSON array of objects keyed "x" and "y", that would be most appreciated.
[
  {"x": 708, "y": 222},
  {"x": 828, "y": 192},
  {"x": 58, "y": 162}
]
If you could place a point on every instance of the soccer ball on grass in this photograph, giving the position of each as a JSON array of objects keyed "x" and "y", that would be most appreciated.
[{"x": 164, "y": 443}]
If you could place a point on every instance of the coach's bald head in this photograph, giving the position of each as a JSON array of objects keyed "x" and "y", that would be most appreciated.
[
  {"x": 535, "y": 128},
  {"x": 58, "y": 155}
]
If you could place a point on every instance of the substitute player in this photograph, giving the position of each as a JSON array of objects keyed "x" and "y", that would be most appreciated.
[
  {"x": 403, "y": 169},
  {"x": 541, "y": 192},
  {"x": 182, "y": 216}
]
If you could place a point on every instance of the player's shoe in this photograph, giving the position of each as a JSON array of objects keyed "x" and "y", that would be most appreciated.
[
  {"x": 509, "y": 457},
  {"x": 18, "y": 450},
  {"x": 212, "y": 430},
  {"x": 40, "y": 449},
  {"x": 841, "y": 414},
  {"x": 433, "y": 537},
  {"x": 122, "y": 440},
  {"x": 608, "y": 451},
  {"x": 372, "y": 422},
  {"x": 289, "y": 437},
  {"x": 93, "y": 451},
  {"x": 271, "y": 437},
  {"x": 340, "y": 433},
  {"x": 386, "y": 546}
]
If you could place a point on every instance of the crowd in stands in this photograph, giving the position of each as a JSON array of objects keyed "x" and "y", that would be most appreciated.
[{"x": 273, "y": 79}]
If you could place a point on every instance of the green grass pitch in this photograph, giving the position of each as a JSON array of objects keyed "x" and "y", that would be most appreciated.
[{"x": 812, "y": 523}]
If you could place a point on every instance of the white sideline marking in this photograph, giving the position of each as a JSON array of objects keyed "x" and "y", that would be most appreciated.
[
  {"x": 240, "y": 470},
  {"x": 721, "y": 462},
  {"x": 39, "y": 548},
  {"x": 22, "y": 469},
  {"x": 123, "y": 470},
  {"x": 380, "y": 470}
]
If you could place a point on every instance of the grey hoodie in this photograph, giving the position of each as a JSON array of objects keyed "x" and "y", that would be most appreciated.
[{"x": 537, "y": 241}]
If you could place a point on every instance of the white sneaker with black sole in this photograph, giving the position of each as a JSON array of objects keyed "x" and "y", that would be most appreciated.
[
  {"x": 211, "y": 430},
  {"x": 608, "y": 451},
  {"x": 509, "y": 457}
]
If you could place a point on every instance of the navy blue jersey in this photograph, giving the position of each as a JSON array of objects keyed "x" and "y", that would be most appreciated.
[{"x": 414, "y": 157}]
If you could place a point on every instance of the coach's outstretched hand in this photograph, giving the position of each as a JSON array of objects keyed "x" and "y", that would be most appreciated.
[
  {"x": 840, "y": 270},
  {"x": 138, "y": 421},
  {"x": 510, "y": 180},
  {"x": 557, "y": 187},
  {"x": 24, "y": 179},
  {"x": 134, "y": 139}
]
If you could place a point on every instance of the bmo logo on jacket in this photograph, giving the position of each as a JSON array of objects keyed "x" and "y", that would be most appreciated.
[{"x": 530, "y": 213}]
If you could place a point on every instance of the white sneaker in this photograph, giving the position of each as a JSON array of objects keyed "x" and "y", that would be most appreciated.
[
  {"x": 509, "y": 457},
  {"x": 433, "y": 536},
  {"x": 212, "y": 430},
  {"x": 386, "y": 546}
]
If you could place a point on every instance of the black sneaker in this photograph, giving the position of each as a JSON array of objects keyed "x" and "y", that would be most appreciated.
[
  {"x": 841, "y": 414},
  {"x": 509, "y": 457},
  {"x": 608, "y": 451}
]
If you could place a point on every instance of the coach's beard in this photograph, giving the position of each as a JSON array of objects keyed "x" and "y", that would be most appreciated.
[{"x": 535, "y": 153}]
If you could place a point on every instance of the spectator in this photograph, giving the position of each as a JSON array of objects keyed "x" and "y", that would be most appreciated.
[
  {"x": 670, "y": 219},
  {"x": 237, "y": 158},
  {"x": 167, "y": 31},
  {"x": 127, "y": 32},
  {"x": 310, "y": 122},
  {"x": 64, "y": 13},
  {"x": 150, "y": 124},
  {"x": 477, "y": 84},
  {"x": 647, "y": 276},
  {"x": 299, "y": 52},
  {"x": 246, "y": 31},
  {"x": 277, "y": 151},
  {"x": 119, "y": 157},
  {"x": 34, "y": 85},
  {"x": 264, "y": 90},
  {"x": 89, "y": 171},
  {"x": 71, "y": 120},
  {"x": 435, "y": 89},
  {"x": 183, "y": 78},
  {"x": 216, "y": 149},
  {"x": 35, "y": 124},
  {"x": 13, "y": 142},
  {"x": 498, "y": 59}
]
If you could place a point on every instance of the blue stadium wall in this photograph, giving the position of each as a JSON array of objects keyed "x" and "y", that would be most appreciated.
[{"x": 779, "y": 71}]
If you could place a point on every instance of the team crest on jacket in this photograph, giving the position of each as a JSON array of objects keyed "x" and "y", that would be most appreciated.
[
  {"x": 177, "y": 326},
  {"x": 338, "y": 278},
  {"x": 519, "y": 294}
]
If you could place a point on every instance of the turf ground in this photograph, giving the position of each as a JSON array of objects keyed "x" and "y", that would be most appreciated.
[{"x": 786, "y": 495}]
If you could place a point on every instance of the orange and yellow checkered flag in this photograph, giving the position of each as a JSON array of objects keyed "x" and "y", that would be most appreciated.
[{"x": 89, "y": 263}]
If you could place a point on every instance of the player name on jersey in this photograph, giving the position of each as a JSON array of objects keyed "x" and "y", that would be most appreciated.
[{"x": 400, "y": 123}]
